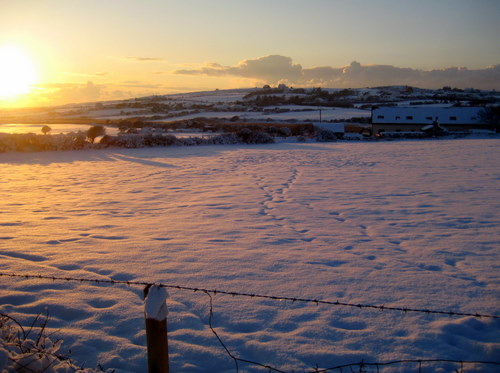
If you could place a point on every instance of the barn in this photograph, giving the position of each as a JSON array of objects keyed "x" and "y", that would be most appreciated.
[{"x": 414, "y": 118}]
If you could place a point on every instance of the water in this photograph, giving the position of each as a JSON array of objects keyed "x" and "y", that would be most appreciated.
[{"x": 56, "y": 128}]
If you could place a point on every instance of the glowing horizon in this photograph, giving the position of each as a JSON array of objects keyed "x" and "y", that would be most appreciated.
[{"x": 93, "y": 51}]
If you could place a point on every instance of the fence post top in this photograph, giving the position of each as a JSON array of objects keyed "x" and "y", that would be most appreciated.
[{"x": 155, "y": 306}]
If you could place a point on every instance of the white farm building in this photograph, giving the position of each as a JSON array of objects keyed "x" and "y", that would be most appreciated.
[{"x": 413, "y": 118}]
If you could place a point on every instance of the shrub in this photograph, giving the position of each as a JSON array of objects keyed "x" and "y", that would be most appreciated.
[
  {"x": 225, "y": 139},
  {"x": 301, "y": 139},
  {"x": 324, "y": 135},
  {"x": 285, "y": 131},
  {"x": 95, "y": 131},
  {"x": 46, "y": 129},
  {"x": 247, "y": 136},
  {"x": 491, "y": 116},
  {"x": 33, "y": 350},
  {"x": 29, "y": 142}
]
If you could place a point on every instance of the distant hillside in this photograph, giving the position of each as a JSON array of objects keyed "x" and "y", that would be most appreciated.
[{"x": 281, "y": 105}]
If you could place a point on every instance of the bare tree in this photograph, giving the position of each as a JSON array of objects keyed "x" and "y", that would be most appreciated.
[{"x": 491, "y": 116}]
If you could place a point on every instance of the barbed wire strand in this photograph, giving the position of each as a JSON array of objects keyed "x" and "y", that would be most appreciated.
[
  {"x": 250, "y": 295},
  {"x": 236, "y": 359},
  {"x": 361, "y": 364},
  {"x": 270, "y": 368},
  {"x": 407, "y": 361}
]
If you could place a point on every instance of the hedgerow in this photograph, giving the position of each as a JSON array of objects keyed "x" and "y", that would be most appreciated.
[{"x": 76, "y": 141}]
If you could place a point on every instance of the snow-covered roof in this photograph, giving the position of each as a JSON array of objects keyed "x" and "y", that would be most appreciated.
[{"x": 426, "y": 115}]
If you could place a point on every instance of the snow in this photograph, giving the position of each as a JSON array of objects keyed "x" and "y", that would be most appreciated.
[
  {"x": 298, "y": 113},
  {"x": 401, "y": 224},
  {"x": 227, "y": 95},
  {"x": 155, "y": 306}
]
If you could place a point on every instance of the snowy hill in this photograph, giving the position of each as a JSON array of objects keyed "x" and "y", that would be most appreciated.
[{"x": 272, "y": 105}]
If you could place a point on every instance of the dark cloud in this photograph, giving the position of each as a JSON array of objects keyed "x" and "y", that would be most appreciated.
[
  {"x": 269, "y": 68},
  {"x": 276, "y": 69}
]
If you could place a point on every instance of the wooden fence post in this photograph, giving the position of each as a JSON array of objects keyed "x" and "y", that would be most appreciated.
[{"x": 155, "y": 313}]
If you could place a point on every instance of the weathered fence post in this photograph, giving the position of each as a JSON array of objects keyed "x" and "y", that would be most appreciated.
[{"x": 155, "y": 313}]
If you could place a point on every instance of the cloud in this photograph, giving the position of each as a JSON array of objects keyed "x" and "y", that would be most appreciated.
[
  {"x": 143, "y": 59},
  {"x": 88, "y": 75},
  {"x": 67, "y": 93},
  {"x": 138, "y": 84},
  {"x": 89, "y": 91},
  {"x": 276, "y": 69},
  {"x": 268, "y": 68},
  {"x": 70, "y": 92}
]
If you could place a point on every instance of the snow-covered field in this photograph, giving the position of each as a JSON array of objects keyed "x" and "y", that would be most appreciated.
[
  {"x": 411, "y": 224},
  {"x": 296, "y": 113}
]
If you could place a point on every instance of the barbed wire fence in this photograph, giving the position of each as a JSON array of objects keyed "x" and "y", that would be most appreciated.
[
  {"x": 251, "y": 295},
  {"x": 362, "y": 365}
]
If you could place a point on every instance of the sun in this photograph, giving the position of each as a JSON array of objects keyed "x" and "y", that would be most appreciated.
[{"x": 17, "y": 72}]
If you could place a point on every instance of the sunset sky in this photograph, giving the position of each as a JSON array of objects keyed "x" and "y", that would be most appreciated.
[{"x": 74, "y": 51}]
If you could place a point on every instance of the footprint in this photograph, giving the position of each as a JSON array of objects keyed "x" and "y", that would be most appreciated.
[
  {"x": 68, "y": 267},
  {"x": 99, "y": 237},
  {"x": 348, "y": 325},
  {"x": 70, "y": 240},
  {"x": 330, "y": 263},
  {"x": 308, "y": 239},
  {"x": 17, "y": 299},
  {"x": 284, "y": 326},
  {"x": 102, "y": 272},
  {"x": 33, "y": 258},
  {"x": 121, "y": 276},
  {"x": 101, "y": 303},
  {"x": 53, "y": 242},
  {"x": 428, "y": 267}
]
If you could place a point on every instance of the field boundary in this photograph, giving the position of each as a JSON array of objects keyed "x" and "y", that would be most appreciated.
[
  {"x": 362, "y": 366},
  {"x": 250, "y": 295}
]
